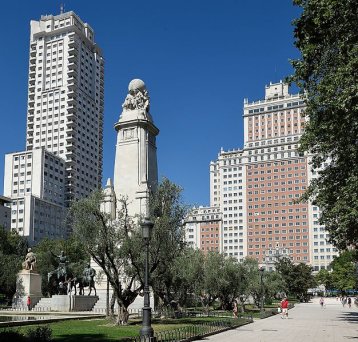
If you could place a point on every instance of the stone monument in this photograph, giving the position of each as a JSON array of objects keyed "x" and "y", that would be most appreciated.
[
  {"x": 28, "y": 282},
  {"x": 135, "y": 168}
]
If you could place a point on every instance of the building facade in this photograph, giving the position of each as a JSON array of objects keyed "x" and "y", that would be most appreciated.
[
  {"x": 5, "y": 212},
  {"x": 257, "y": 188},
  {"x": 64, "y": 132},
  {"x": 34, "y": 180},
  {"x": 66, "y": 98},
  {"x": 203, "y": 228}
]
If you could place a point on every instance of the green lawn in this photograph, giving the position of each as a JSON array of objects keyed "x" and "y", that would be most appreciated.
[{"x": 96, "y": 330}]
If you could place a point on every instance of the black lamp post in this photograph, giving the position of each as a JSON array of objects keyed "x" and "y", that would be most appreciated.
[
  {"x": 262, "y": 270},
  {"x": 146, "y": 332}
]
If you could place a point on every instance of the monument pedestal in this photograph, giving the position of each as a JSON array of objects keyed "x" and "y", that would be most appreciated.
[
  {"x": 28, "y": 283},
  {"x": 67, "y": 303}
]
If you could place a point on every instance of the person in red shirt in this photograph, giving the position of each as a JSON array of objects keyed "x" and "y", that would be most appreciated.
[
  {"x": 28, "y": 302},
  {"x": 284, "y": 308}
]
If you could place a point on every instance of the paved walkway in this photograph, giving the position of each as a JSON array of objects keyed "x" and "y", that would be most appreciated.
[{"x": 306, "y": 322}]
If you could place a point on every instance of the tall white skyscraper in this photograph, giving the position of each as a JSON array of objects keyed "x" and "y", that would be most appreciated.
[
  {"x": 65, "y": 99},
  {"x": 64, "y": 135}
]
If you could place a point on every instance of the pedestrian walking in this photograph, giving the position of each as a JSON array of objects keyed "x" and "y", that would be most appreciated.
[
  {"x": 321, "y": 302},
  {"x": 235, "y": 309},
  {"x": 28, "y": 303},
  {"x": 284, "y": 308},
  {"x": 344, "y": 301},
  {"x": 349, "y": 301}
]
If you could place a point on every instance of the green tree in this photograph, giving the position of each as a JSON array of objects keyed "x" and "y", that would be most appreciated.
[
  {"x": 74, "y": 250},
  {"x": 326, "y": 35},
  {"x": 324, "y": 277},
  {"x": 117, "y": 245},
  {"x": 298, "y": 277},
  {"x": 182, "y": 282},
  {"x": 221, "y": 280},
  {"x": 12, "y": 253},
  {"x": 272, "y": 283},
  {"x": 344, "y": 275}
]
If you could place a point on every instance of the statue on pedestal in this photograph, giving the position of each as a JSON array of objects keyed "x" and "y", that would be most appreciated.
[
  {"x": 60, "y": 277},
  {"x": 138, "y": 97},
  {"x": 30, "y": 261}
]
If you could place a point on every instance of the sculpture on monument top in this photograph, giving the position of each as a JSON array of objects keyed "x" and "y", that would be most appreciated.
[
  {"x": 137, "y": 98},
  {"x": 30, "y": 260}
]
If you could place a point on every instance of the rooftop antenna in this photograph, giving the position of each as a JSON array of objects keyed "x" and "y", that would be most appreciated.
[{"x": 62, "y": 7}]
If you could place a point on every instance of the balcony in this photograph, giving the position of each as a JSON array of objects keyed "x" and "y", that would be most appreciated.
[
  {"x": 72, "y": 57},
  {"x": 71, "y": 86},
  {"x": 71, "y": 100},
  {"x": 72, "y": 93},
  {"x": 70, "y": 138},
  {"x": 72, "y": 72},
  {"x": 70, "y": 160},
  {"x": 71, "y": 109},
  {"x": 72, "y": 41},
  {"x": 71, "y": 79},
  {"x": 71, "y": 130},
  {"x": 71, "y": 124},
  {"x": 70, "y": 146},
  {"x": 73, "y": 50},
  {"x": 70, "y": 155},
  {"x": 71, "y": 116},
  {"x": 72, "y": 64}
]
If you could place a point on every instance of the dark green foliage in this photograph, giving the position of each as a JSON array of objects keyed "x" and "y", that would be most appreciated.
[
  {"x": 46, "y": 262},
  {"x": 324, "y": 277},
  {"x": 11, "y": 336},
  {"x": 298, "y": 277},
  {"x": 12, "y": 253},
  {"x": 344, "y": 271},
  {"x": 117, "y": 245},
  {"x": 326, "y": 35},
  {"x": 272, "y": 283},
  {"x": 41, "y": 333}
]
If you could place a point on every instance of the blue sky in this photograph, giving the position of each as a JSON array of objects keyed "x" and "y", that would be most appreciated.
[{"x": 198, "y": 58}]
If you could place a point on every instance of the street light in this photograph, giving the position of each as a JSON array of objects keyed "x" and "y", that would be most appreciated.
[
  {"x": 146, "y": 332},
  {"x": 262, "y": 270}
]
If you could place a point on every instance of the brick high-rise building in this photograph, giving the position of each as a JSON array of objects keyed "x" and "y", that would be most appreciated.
[{"x": 256, "y": 187}]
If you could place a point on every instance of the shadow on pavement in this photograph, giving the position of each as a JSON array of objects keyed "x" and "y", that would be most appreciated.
[{"x": 351, "y": 317}]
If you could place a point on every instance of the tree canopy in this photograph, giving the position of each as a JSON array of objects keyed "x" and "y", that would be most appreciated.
[
  {"x": 117, "y": 245},
  {"x": 12, "y": 253},
  {"x": 298, "y": 277},
  {"x": 326, "y": 35}
]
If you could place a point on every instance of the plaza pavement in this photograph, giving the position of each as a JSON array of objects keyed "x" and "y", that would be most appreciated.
[{"x": 306, "y": 322}]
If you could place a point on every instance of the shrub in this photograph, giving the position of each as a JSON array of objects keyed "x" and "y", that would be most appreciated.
[
  {"x": 11, "y": 336},
  {"x": 40, "y": 334}
]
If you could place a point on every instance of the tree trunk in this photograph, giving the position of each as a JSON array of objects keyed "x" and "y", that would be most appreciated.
[{"x": 123, "y": 315}]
